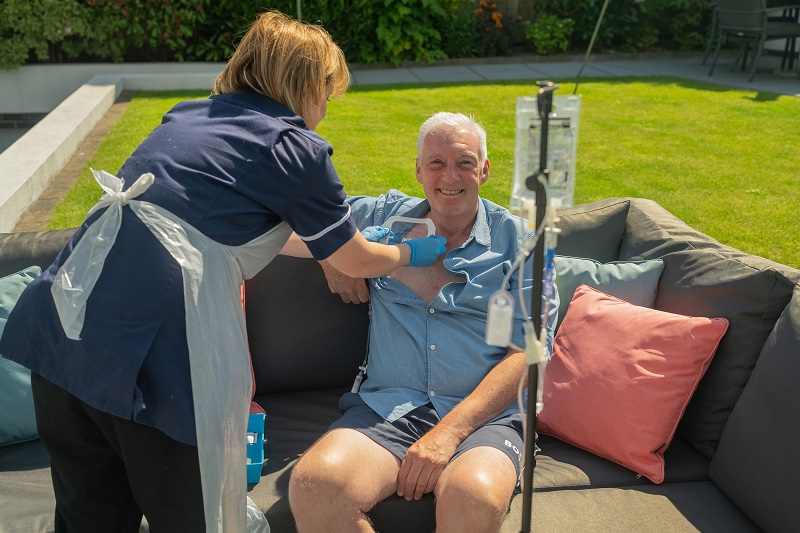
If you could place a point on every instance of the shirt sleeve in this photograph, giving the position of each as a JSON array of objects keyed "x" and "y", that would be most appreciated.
[
  {"x": 318, "y": 212},
  {"x": 365, "y": 210}
]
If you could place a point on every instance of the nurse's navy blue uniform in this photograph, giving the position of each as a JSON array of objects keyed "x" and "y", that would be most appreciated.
[{"x": 232, "y": 166}]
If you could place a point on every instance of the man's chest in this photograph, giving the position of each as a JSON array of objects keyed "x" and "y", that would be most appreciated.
[{"x": 428, "y": 281}]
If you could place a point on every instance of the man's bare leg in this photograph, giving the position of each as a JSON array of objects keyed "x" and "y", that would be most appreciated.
[
  {"x": 341, "y": 477},
  {"x": 473, "y": 492}
]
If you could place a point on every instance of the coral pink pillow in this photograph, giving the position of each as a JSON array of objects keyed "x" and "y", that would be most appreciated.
[{"x": 621, "y": 376}]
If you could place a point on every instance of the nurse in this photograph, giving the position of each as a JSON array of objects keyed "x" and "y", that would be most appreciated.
[{"x": 135, "y": 335}]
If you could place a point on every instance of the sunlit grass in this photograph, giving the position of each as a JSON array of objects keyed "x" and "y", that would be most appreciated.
[{"x": 723, "y": 160}]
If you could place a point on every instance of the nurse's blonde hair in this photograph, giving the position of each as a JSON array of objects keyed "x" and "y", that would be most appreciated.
[{"x": 288, "y": 61}]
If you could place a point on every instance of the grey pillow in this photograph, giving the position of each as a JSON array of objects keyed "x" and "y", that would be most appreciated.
[
  {"x": 756, "y": 463},
  {"x": 633, "y": 281}
]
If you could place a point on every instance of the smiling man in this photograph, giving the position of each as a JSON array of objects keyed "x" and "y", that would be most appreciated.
[{"x": 437, "y": 412}]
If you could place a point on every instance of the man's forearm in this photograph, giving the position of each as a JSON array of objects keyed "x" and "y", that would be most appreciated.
[{"x": 491, "y": 397}]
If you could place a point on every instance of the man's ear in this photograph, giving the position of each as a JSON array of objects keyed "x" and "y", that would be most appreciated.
[
  {"x": 485, "y": 172},
  {"x": 418, "y": 171}
]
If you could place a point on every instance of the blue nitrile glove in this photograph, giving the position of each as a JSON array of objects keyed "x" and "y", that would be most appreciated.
[
  {"x": 375, "y": 233},
  {"x": 425, "y": 251}
]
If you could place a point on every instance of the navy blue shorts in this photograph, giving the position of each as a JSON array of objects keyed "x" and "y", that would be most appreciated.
[{"x": 505, "y": 433}]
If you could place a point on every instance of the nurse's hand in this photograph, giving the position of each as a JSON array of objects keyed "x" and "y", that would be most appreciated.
[
  {"x": 425, "y": 251},
  {"x": 376, "y": 233}
]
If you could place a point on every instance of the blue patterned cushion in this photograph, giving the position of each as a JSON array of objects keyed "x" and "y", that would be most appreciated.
[
  {"x": 633, "y": 281},
  {"x": 17, "y": 419}
]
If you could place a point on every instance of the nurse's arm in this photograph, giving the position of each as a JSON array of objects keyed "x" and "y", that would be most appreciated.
[
  {"x": 295, "y": 247},
  {"x": 358, "y": 257}
]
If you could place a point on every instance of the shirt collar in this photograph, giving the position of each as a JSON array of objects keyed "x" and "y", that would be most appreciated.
[{"x": 480, "y": 229}]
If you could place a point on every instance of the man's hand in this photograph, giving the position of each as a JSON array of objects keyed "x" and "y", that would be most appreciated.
[
  {"x": 351, "y": 290},
  {"x": 424, "y": 463}
]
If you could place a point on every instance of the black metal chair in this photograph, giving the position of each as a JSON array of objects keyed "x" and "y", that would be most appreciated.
[{"x": 747, "y": 21}]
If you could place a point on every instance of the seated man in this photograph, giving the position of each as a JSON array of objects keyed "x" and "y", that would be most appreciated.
[{"x": 437, "y": 412}]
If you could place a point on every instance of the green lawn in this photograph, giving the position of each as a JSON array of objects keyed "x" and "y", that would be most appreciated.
[{"x": 725, "y": 161}]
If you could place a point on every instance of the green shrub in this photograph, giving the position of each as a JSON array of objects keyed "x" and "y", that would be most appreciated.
[
  {"x": 459, "y": 28},
  {"x": 369, "y": 31},
  {"x": 549, "y": 34},
  {"x": 681, "y": 24},
  {"x": 33, "y": 29},
  {"x": 497, "y": 34},
  {"x": 626, "y": 24}
]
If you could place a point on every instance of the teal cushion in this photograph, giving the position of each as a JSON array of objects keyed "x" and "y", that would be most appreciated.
[
  {"x": 633, "y": 281},
  {"x": 17, "y": 419}
]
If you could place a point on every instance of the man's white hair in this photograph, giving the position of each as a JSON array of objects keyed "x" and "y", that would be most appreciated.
[{"x": 457, "y": 120}]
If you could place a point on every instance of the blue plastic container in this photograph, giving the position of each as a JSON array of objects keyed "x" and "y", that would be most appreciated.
[{"x": 255, "y": 447}]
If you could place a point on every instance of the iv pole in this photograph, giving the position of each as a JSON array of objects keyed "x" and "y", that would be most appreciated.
[{"x": 544, "y": 102}]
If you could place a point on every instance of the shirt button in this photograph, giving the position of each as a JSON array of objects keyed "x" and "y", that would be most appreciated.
[
  {"x": 431, "y": 310},
  {"x": 433, "y": 393},
  {"x": 433, "y": 346}
]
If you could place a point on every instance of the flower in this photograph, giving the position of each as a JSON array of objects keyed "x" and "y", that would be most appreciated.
[{"x": 497, "y": 17}]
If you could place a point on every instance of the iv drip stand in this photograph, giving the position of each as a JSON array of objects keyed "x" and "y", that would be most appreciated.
[{"x": 544, "y": 102}]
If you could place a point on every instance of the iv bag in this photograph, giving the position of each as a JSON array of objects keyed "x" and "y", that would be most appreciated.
[{"x": 562, "y": 144}]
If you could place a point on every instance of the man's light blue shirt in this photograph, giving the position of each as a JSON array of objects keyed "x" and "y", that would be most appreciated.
[{"x": 420, "y": 352}]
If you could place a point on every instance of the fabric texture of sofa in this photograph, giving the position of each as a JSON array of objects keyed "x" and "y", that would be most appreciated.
[{"x": 731, "y": 465}]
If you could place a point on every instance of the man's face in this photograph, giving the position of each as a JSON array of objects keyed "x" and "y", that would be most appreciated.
[{"x": 451, "y": 171}]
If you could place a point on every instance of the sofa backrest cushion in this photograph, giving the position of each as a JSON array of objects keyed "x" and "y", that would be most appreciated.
[
  {"x": 701, "y": 278},
  {"x": 21, "y": 250},
  {"x": 594, "y": 230},
  {"x": 705, "y": 278},
  {"x": 751, "y": 297},
  {"x": 301, "y": 335},
  {"x": 757, "y": 461}
]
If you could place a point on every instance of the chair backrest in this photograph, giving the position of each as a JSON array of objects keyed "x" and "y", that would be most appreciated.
[{"x": 746, "y": 16}]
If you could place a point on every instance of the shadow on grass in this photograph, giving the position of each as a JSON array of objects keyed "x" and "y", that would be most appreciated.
[{"x": 569, "y": 84}]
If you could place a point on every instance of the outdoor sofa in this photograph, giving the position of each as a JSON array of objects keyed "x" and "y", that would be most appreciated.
[{"x": 732, "y": 465}]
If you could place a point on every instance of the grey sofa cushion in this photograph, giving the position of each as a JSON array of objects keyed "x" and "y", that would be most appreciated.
[
  {"x": 21, "y": 250},
  {"x": 301, "y": 336},
  {"x": 26, "y": 489},
  {"x": 593, "y": 230},
  {"x": 751, "y": 296},
  {"x": 704, "y": 278},
  {"x": 757, "y": 461},
  {"x": 670, "y": 507}
]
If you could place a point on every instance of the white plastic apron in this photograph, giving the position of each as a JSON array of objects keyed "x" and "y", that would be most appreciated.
[{"x": 215, "y": 327}]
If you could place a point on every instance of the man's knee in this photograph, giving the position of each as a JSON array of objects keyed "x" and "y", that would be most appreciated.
[
  {"x": 486, "y": 483},
  {"x": 343, "y": 464},
  {"x": 317, "y": 470}
]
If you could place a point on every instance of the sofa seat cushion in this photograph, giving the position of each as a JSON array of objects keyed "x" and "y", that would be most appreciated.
[
  {"x": 295, "y": 420},
  {"x": 673, "y": 507},
  {"x": 562, "y": 465},
  {"x": 26, "y": 489}
]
